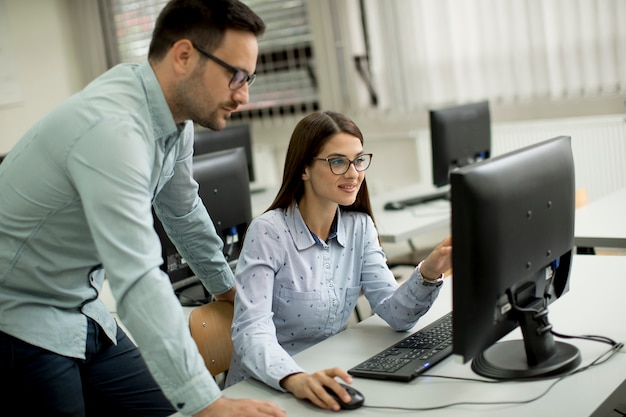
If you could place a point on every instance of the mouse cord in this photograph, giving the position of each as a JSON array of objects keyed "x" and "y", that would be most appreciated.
[{"x": 602, "y": 358}]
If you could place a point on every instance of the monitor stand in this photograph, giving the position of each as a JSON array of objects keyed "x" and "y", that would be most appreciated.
[
  {"x": 536, "y": 356},
  {"x": 507, "y": 361}
]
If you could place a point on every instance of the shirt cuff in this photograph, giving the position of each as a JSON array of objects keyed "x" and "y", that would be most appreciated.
[
  {"x": 200, "y": 392},
  {"x": 429, "y": 282},
  {"x": 220, "y": 282}
]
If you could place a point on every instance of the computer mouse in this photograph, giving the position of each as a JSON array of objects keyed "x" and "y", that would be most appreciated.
[
  {"x": 394, "y": 205},
  {"x": 356, "y": 401}
]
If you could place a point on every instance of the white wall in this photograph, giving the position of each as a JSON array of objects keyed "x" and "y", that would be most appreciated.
[
  {"x": 47, "y": 63},
  {"x": 57, "y": 53}
]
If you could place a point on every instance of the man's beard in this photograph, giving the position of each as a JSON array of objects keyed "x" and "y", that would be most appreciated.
[{"x": 190, "y": 102}]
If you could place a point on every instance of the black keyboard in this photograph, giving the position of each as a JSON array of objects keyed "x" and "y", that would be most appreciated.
[
  {"x": 413, "y": 201},
  {"x": 412, "y": 355}
]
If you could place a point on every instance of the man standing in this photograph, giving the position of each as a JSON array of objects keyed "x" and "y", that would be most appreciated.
[{"x": 76, "y": 194}]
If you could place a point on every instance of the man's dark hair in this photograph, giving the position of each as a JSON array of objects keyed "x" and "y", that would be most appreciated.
[{"x": 201, "y": 21}]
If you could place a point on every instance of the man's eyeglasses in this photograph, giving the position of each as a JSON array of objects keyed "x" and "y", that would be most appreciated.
[
  {"x": 339, "y": 165},
  {"x": 240, "y": 77}
]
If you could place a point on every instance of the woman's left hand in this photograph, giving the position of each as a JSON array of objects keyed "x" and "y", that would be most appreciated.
[{"x": 439, "y": 261}]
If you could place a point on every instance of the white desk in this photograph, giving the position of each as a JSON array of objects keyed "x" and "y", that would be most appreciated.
[
  {"x": 400, "y": 225},
  {"x": 602, "y": 223},
  {"x": 261, "y": 200},
  {"x": 594, "y": 305}
]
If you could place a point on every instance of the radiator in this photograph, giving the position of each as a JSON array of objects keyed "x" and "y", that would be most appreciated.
[{"x": 598, "y": 145}]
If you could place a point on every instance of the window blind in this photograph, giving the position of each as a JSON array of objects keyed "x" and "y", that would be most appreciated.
[
  {"x": 286, "y": 81},
  {"x": 507, "y": 51}
]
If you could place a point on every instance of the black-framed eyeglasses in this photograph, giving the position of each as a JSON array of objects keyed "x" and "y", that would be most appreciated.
[
  {"x": 339, "y": 165},
  {"x": 240, "y": 77}
]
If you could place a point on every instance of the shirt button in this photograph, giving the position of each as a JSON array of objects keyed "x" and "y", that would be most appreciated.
[
  {"x": 327, "y": 265},
  {"x": 330, "y": 283},
  {"x": 334, "y": 302}
]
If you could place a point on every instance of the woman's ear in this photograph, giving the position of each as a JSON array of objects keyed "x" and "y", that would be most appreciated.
[{"x": 305, "y": 174}]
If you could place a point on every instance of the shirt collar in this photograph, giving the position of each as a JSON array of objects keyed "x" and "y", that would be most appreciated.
[
  {"x": 163, "y": 124},
  {"x": 302, "y": 235}
]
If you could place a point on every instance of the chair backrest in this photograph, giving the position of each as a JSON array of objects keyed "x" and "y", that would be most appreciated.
[
  {"x": 210, "y": 328},
  {"x": 582, "y": 199}
]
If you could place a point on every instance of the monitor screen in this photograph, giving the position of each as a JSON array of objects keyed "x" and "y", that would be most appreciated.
[
  {"x": 225, "y": 191},
  {"x": 513, "y": 233},
  {"x": 232, "y": 136},
  {"x": 460, "y": 135}
]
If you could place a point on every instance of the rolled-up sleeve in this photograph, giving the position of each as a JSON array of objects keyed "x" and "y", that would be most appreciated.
[
  {"x": 189, "y": 226},
  {"x": 400, "y": 306},
  {"x": 113, "y": 178}
]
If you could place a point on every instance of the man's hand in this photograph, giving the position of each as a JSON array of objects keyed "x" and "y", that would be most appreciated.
[{"x": 226, "y": 407}]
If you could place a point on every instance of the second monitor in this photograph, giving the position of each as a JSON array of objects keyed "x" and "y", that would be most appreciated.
[
  {"x": 459, "y": 136},
  {"x": 224, "y": 188}
]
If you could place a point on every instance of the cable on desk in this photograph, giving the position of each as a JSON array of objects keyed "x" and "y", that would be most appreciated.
[{"x": 602, "y": 358}]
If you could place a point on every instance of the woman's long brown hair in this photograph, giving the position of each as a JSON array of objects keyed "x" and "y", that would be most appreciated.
[{"x": 307, "y": 139}]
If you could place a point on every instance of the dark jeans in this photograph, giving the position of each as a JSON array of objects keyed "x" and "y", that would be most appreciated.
[{"x": 112, "y": 381}]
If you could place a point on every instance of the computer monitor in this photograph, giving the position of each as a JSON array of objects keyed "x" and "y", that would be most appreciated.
[
  {"x": 232, "y": 136},
  {"x": 513, "y": 234},
  {"x": 460, "y": 135},
  {"x": 225, "y": 191}
]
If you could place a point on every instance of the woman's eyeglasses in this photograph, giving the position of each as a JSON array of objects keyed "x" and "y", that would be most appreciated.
[{"x": 339, "y": 165}]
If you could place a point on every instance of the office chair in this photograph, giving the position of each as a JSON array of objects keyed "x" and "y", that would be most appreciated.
[
  {"x": 582, "y": 199},
  {"x": 210, "y": 328}
]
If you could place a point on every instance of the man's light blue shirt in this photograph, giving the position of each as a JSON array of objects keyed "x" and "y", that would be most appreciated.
[
  {"x": 75, "y": 201},
  {"x": 294, "y": 290}
]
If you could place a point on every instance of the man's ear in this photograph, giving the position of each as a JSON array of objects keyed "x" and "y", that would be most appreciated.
[{"x": 183, "y": 56}]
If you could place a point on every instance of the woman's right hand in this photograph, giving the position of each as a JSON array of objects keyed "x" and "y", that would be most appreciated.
[{"x": 311, "y": 387}]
